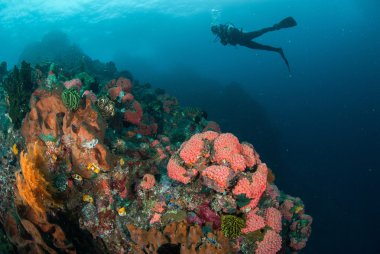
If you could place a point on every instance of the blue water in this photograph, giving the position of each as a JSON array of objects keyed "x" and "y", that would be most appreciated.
[{"x": 318, "y": 128}]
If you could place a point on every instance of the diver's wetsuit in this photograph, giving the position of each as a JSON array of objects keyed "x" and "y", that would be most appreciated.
[{"x": 229, "y": 34}]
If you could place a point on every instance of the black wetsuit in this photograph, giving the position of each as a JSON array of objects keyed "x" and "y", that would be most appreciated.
[{"x": 229, "y": 34}]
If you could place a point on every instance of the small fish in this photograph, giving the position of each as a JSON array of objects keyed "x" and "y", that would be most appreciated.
[
  {"x": 15, "y": 149},
  {"x": 77, "y": 177},
  {"x": 122, "y": 162},
  {"x": 88, "y": 198},
  {"x": 121, "y": 211},
  {"x": 93, "y": 167}
]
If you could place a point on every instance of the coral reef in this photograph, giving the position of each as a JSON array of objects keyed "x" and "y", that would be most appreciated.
[{"x": 125, "y": 169}]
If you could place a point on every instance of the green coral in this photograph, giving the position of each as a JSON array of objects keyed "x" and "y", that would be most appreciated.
[
  {"x": 71, "y": 98},
  {"x": 232, "y": 225}
]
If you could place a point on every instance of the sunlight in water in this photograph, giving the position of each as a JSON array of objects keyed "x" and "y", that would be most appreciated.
[{"x": 22, "y": 10}]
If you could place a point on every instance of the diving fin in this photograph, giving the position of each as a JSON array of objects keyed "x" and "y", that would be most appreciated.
[
  {"x": 286, "y": 23},
  {"x": 281, "y": 52}
]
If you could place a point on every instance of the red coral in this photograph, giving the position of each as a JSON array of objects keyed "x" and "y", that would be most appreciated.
[
  {"x": 179, "y": 173},
  {"x": 210, "y": 135},
  {"x": 249, "y": 154},
  {"x": 273, "y": 219},
  {"x": 286, "y": 209},
  {"x": 148, "y": 182},
  {"x": 208, "y": 215},
  {"x": 217, "y": 177},
  {"x": 255, "y": 188},
  {"x": 191, "y": 150},
  {"x": 227, "y": 149},
  {"x": 127, "y": 97},
  {"x": 253, "y": 222},
  {"x": 159, "y": 207},
  {"x": 227, "y": 141},
  {"x": 73, "y": 83},
  {"x": 273, "y": 193},
  {"x": 237, "y": 162},
  {"x": 135, "y": 114},
  {"x": 271, "y": 243},
  {"x": 156, "y": 218},
  {"x": 114, "y": 92},
  {"x": 118, "y": 184},
  {"x": 125, "y": 84}
]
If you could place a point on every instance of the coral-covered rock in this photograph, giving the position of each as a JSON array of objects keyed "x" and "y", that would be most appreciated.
[
  {"x": 188, "y": 238},
  {"x": 164, "y": 187},
  {"x": 84, "y": 127}
]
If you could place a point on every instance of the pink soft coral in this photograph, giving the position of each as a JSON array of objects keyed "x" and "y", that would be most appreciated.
[
  {"x": 191, "y": 150},
  {"x": 271, "y": 243},
  {"x": 179, "y": 173},
  {"x": 255, "y": 188},
  {"x": 253, "y": 222},
  {"x": 273, "y": 219},
  {"x": 148, "y": 182},
  {"x": 217, "y": 177}
]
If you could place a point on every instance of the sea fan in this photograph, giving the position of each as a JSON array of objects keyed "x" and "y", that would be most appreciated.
[{"x": 31, "y": 182}]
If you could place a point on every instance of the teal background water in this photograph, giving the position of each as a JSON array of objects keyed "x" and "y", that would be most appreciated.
[{"x": 318, "y": 128}]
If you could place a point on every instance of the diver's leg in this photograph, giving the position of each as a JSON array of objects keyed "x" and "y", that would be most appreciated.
[
  {"x": 255, "y": 45},
  {"x": 252, "y": 35}
]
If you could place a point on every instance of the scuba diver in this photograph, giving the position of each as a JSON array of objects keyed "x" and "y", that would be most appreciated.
[{"x": 228, "y": 34}]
